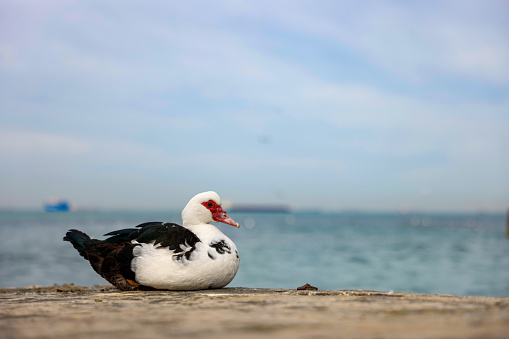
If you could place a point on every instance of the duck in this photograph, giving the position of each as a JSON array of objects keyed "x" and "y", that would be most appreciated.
[{"x": 164, "y": 255}]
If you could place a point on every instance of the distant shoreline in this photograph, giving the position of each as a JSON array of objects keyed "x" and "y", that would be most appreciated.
[{"x": 256, "y": 209}]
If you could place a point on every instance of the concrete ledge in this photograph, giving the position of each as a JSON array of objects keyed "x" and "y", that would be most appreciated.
[{"x": 104, "y": 312}]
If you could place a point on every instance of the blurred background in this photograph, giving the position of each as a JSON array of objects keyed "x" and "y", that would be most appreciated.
[{"x": 346, "y": 115}]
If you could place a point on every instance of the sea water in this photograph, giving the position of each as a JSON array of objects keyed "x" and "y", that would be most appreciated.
[{"x": 456, "y": 254}]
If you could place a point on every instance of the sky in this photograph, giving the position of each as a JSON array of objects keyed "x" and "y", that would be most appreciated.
[{"x": 330, "y": 105}]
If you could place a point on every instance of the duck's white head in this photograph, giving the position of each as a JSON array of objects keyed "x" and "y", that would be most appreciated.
[{"x": 204, "y": 208}]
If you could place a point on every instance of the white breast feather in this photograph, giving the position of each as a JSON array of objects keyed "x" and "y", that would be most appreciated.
[{"x": 163, "y": 269}]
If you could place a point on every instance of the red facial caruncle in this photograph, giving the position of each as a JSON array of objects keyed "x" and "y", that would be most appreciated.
[{"x": 218, "y": 213}]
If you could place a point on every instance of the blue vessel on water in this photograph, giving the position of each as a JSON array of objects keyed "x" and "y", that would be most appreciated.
[{"x": 57, "y": 206}]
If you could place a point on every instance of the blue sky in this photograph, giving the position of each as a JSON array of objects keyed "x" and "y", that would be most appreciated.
[{"x": 337, "y": 105}]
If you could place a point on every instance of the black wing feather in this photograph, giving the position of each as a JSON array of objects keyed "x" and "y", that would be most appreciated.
[
  {"x": 161, "y": 233},
  {"x": 152, "y": 223},
  {"x": 120, "y": 235},
  {"x": 166, "y": 235}
]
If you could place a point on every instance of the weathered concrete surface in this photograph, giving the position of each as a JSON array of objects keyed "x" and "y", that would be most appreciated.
[{"x": 78, "y": 312}]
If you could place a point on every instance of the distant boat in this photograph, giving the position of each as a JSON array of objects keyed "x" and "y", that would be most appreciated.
[{"x": 57, "y": 205}]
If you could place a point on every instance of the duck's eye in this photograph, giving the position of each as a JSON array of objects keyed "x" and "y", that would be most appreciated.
[{"x": 209, "y": 204}]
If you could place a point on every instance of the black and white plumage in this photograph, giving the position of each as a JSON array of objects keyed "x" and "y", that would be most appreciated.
[{"x": 159, "y": 255}]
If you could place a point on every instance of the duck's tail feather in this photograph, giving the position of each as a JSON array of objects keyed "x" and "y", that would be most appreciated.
[
  {"x": 77, "y": 239},
  {"x": 110, "y": 259}
]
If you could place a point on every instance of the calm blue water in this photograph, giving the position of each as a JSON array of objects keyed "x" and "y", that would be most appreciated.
[{"x": 451, "y": 254}]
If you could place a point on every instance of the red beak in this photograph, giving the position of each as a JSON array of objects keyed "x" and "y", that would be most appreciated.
[{"x": 220, "y": 216}]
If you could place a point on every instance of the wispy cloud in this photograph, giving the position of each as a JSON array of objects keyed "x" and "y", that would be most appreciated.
[{"x": 28, "y": 143}]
